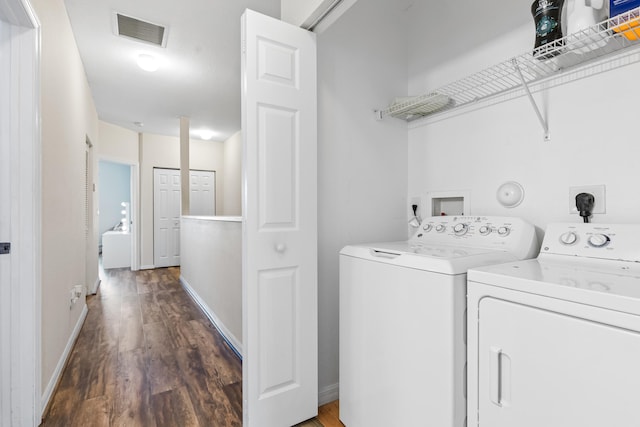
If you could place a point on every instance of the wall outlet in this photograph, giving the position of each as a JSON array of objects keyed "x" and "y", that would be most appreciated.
[
  {"x": 599, "y": 193},
  {"x": 75, "y": 294}
]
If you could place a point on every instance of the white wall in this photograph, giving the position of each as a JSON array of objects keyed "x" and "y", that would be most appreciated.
[
  {"x": 477, "y": 151},
  {"x": 68, "y": 117},
  {"x": 164, "y": 152},
  {"x": 115, "y": 188},
  {"x": 211, "y": 266},
  {"x": 117, "y": 144},
  {"x": 362, "y": 163},
  {"x": 233, "y": 176}
]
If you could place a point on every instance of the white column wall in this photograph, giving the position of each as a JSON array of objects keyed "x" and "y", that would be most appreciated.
[{"x": 362, "y": 163}]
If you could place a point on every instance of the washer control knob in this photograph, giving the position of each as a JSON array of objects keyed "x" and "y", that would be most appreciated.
[
  {"x": 485, "y": 230},
  {"x": 599, "y": 240},
  {"x": 460, "y": 229},
  {"x": 440, "y": 228},
  {"x": 427, "y": 227},
  {"x": 569, "y": 238},
  {"x": 504, "y": 231}
]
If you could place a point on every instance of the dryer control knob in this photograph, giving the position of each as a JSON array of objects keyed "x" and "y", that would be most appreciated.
[
  {"x": 427, "y": 227},
  {"x": 485, "y": 230},
  {"x": 599, "y": 240},
  {"x": 440, "y": 228},
  {"x": 460, "y": 229},
  {"x": 504, "y": 231},
  {"x": 569, "y": 238}
]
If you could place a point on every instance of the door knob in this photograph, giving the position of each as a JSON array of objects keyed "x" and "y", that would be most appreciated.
[{"x": 280, "y": 248}]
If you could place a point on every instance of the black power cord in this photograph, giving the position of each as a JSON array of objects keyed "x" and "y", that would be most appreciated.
[{"x": 584, "y": 204}]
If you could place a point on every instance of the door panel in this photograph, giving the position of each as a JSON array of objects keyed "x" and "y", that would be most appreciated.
[
  {"x": 166, "y": 217},
  {"x": 202, "y": 186},
  {"x": 541, "y": 368},
  {"x": 280, "y": 384},
  {"x": 278, "y": 178}
]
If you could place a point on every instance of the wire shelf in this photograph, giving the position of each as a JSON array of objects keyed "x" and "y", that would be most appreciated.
[{"x": 580, "y": 48}]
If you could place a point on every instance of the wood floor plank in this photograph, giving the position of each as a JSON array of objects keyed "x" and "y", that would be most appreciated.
[
  {"x": 103, "y": 371},
  {"x": 163, "y": 372},
  {"x": 234, "y": 396},
  {"x": 181, "y": 334},
  {"x": 62, "y": 407},
  {"x": 210, "y": 403},
  {"x": 328, "y": 414},
  {"x": 131, "y": 334},
  {"x": 173, "y": 408},
  {"x": 93, "y": 412},
  {"x": 132, "y": 400},
  {"x": 151, "y": 312},
  {"x": 219, "y": 360}
]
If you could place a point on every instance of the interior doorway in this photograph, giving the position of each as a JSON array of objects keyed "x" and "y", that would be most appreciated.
[{"x": 118, "y": 213}]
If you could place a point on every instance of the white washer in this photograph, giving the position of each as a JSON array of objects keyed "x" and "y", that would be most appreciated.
[
  {"x": 555, "y": 341},
  {"x": 402, "y": 318}
]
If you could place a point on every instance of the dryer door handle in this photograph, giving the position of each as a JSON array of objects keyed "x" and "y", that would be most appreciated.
[
  {"x": 495, "y": 375},
  {"x": 499, "y": 377}
]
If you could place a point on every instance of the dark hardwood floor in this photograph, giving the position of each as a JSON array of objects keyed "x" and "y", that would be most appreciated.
[{"x": 147, "y": 356}]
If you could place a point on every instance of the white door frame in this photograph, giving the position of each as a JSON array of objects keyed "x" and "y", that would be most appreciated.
[
  {"x": 21, "y": 394},
  {"x": 134, "y": 207}
]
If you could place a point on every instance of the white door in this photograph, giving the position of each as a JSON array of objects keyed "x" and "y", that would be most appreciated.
[
  {"x": 166, "y": 217},
  {"x": 280, "y": 381},
  {"x": 5, "y": 226},
  {"x": 540, "y": 368},
  {"x": 202, "y": 185},
  {"x": 20, "y": 196}
]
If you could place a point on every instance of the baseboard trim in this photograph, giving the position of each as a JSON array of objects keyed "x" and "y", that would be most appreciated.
[
  {"x": 57, "y": 373},
  {"x": 96, "y": 285},
  {"x": 233, "y": 342},
  {"x": 328, "y": 394}
]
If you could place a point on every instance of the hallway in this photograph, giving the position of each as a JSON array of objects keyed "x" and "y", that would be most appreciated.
[{"x": 147, "y": 356}]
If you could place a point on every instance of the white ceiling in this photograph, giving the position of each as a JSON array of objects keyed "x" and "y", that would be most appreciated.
[{"x": 199, "y": 74}]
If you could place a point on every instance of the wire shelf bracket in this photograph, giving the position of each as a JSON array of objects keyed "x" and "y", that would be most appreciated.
[{"x": 543, "y": 122}]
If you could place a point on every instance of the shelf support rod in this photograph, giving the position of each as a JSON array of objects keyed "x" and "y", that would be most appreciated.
[{"x": 543, "y": 122}]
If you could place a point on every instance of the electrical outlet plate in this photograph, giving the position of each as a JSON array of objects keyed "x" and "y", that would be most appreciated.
[{"x": 599, "y": 193}]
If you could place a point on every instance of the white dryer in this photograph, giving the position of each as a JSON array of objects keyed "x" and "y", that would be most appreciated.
[
  {"x": 555, "y": 341},
  {"x": 402, "y": 317}
]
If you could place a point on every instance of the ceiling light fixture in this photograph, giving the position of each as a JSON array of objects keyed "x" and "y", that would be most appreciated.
[
  {"x": 147, "y": 62},
  {"x": 206, "y": 134}
]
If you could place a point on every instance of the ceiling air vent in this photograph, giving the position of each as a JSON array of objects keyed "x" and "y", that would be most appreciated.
[{"x": 136, "y": 29}]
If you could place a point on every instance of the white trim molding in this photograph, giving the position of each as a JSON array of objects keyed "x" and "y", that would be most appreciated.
[
  {"x": 57, "y": 373},
  {"x": 234, "y": 343},
  {"x": 328, "y": 394}
]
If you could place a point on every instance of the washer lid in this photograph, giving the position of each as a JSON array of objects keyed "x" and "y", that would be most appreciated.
[
  {"x": 429, "y": 257},
  {"x": 614, "y": 286}
]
